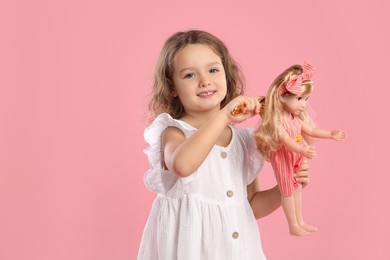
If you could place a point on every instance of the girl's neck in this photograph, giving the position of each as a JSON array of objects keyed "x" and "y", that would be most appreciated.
[{"x": 197, "y": 120}]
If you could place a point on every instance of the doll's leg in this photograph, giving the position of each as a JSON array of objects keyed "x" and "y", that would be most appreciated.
[
  {"x": 288, "y": 206},
  {"x": 298, "y": 203},
  {"x": 298, "y": 210},
  {"x": 283, "y": 172}
]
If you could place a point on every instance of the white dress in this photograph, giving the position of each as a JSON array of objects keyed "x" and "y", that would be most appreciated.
[{"x": 205, "y": 215}]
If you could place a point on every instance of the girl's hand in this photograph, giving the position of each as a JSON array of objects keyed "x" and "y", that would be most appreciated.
[
  {"x": 308, "y": 151},
  {"x": 338, "y": 135},
  {"x": 250, "y": 106},
  {"x": 302, "y": 175}
]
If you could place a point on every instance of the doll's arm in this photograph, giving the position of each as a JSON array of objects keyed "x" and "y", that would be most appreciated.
[
  {"x": 324, "y": 134},
  {"x": 306, "y": 150}
]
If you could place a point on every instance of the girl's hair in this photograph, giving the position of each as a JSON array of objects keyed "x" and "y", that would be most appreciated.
[
  {"x": 267, "y": 134},
  {"x": 162, "y": 99}
]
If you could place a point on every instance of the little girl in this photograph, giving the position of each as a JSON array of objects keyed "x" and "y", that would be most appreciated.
[
  {"x": 202, "y": 167},
  {"x": 281, "y": 138}
]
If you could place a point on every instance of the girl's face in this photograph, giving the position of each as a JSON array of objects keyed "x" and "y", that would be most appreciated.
[
  {"x": 199, "y": 78},
  {"x": 294, "y": 104}
]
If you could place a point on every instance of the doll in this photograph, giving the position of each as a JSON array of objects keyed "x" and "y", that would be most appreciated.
[{"x": 284, "y": 137}]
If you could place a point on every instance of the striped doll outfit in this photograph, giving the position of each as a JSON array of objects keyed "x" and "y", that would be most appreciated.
[{"x": 286, "y": 162}]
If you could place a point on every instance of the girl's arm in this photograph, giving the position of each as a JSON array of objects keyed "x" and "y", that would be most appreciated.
[
  {"x": 324, "y": 134},
  {"x": 265, "y": 202},
  {"x": 183, "y": 156},
  {"x": 306, "y": 150}
]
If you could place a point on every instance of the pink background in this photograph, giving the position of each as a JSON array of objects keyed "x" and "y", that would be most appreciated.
[{"x": 75, "y": 78}]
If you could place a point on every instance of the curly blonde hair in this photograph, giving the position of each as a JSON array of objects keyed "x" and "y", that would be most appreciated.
[
  {"x": 267, "y": 134},
  {"x": 162, "y": 98}
]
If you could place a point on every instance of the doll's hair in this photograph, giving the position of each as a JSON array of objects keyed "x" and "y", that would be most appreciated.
[
  {"x": 162, "y": 98},
  {"x": 267, "y": 134}
]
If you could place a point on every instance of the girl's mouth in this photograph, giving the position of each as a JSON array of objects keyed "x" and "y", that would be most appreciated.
[{"x": 206, "y": 93}]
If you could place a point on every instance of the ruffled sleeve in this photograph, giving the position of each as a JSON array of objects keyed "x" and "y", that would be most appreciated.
[
  {"x": 157, "y": 178},
  {"x": 254, "y": 161}
]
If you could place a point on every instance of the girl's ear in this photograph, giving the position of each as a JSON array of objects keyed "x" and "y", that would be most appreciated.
[
  {"x": 282, "y": 99},
  {"x": 174, "y": 94}
]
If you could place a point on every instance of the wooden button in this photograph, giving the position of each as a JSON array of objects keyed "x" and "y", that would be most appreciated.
[
  {"x": 223, "y": 154},
  {"x": 235, "y": 235},
  {"x": 229, "y": 193}
]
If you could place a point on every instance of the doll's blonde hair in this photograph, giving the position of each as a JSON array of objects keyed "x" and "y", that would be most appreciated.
[
  {"x": 162, "y": 98},
  {"x": 267, "y": 135}
]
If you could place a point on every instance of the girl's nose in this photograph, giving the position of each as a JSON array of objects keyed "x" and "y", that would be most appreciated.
[{"x": 204, "y": 82}]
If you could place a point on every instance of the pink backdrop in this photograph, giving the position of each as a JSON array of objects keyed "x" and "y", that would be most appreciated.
[{"x": 75, "y": 78}]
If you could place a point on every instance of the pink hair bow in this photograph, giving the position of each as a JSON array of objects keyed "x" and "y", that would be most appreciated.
[{"x": 295, "y": 83}]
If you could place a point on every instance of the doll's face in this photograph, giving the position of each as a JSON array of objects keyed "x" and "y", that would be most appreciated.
[{"x": 294, "y": 104}]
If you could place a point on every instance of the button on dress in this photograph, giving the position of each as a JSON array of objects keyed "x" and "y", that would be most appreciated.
[{"x": 205, "y": 215}]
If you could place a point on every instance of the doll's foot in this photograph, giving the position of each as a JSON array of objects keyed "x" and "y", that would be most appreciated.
[
  {"x": 308, "y": 227},
  {"x": 299, "y": 231}
]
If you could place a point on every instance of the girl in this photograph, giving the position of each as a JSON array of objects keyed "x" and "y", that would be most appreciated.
[
  {"x": 203, "y": 168},
  {"x": 281, "y": 138}
]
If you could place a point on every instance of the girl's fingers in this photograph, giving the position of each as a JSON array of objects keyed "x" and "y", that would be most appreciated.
[
  {"x": 253, "y": 104},
  {"x": 258, "y": 105},
  {"x": 244, "y": 107}
]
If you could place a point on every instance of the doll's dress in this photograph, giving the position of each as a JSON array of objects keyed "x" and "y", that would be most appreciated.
[
  {"x": 207, "y": 214},
  {"x": 286, "y": 162}
]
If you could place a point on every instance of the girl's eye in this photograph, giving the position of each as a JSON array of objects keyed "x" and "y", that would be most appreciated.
[
  {"x": 214, "y": 70},
  {"x": 299, "y": 98},
  {"x": 189, "y": 75}
]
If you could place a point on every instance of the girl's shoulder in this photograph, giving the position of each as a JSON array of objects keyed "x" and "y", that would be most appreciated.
[
  {"x": 244, "y": 136},
  {"x": 157, "y": 178},
  {"x": 243, "y": 132},
  {"x": 253, "y": 161},
  {"x": 153, "y": 132}
]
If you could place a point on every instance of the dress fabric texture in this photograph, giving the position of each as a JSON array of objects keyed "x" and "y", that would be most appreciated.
[
  {"x": 205, "y": 215},
  {"x": 286, "y": 162}
]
